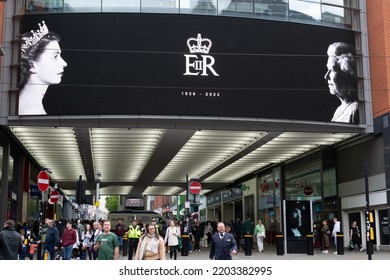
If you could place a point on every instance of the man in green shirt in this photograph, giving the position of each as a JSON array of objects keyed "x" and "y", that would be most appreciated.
[{"x": 107, "y": 243}]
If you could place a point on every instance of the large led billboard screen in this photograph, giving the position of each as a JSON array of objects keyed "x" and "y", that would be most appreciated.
[{"x": 161, "y": 64}]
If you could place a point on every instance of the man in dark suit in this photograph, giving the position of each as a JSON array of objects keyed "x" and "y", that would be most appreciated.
[{"x": 223, "y": 244}]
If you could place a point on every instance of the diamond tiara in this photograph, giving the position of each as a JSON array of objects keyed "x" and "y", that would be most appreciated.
[{"x": 35, "y": 36}]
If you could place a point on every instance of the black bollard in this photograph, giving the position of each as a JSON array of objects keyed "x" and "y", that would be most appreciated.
[
  {"x": 248, "y": 244},
  {"x": 125, "y": 245},
  {"x": 185, "y": 240},
  {"x": 340, "y": 243},
  {"x": 279, "y": 244},
  {"x": 309, "y": 243}
]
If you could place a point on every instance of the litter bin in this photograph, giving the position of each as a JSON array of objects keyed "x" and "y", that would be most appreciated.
[
  {"x": 279, "y": 244},
  {"x": 309, "y": 243},
  {"x": 184, "y": 249},
  {"x": 125, "y": 245},
  {"x": 248, "y": 244},
  {"x": 340, "y": 243}
]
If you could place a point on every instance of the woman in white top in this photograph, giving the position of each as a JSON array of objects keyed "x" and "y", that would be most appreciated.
[
  {"x": 171, "y": 236},
  {"x": 86, "y": 236}
]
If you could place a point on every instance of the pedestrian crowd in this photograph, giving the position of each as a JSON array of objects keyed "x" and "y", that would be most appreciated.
[{"x": 99, "y": 240}]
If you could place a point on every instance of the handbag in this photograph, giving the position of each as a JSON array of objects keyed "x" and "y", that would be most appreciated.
[{"x": 351, "y": 246}]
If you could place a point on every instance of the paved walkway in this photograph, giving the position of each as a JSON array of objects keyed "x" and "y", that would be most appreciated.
[{"x": 270, "y": 254}]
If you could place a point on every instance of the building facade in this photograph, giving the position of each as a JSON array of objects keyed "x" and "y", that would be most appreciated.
[{"x": 212, "y": 65}]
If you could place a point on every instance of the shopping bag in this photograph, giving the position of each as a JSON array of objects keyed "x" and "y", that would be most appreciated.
[{"x": 351, "y": 246}]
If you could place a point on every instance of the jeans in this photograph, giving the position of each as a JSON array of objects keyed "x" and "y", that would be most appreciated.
[
  {"x": 50, "y": 249},
  {"x": 68, "y": 252},
  {"x": 120, "y": 239}
]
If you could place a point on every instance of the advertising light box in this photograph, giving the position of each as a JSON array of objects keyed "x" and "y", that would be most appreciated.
[{"x": 160, "y": 64}]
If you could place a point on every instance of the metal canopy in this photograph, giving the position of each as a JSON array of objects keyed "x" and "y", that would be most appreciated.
[{"x": 144, "y": 161}]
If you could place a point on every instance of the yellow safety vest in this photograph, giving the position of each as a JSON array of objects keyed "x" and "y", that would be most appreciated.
[{"x": 134, "y": 232}]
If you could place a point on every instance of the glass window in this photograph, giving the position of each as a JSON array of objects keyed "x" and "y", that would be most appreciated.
[
  {"x": 45, "y": 6},
  {"x": 336, "y": 15},
  {"x": 241, "y": 8},
  {"x": 271, "y": 9},
  {"x": 303, "y": 179},
  {"x": 121, "y": 6},
  {"x": 76, "y": 6},
  {"x": 345, "y": 3},
  {"x": 205, "y": 7},
  {"x": 159, "y": 6},
  {"x": 10, "y": 168},
  {"x": 249, "y": 207},
  {"x": 384, "y": 232},
  {"x": 303, "y": 11},
  {"x": 329, "y": 177}
]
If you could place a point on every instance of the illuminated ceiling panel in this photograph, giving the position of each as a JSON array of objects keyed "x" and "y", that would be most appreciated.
[
  {"x": 54, "y": 148},
  {"x": 158, "y": 190},
  {"x": 205, "y": 151},
  {"x": 121, "y": 154},
  {"x": 284, "y": 147},
  {"x": 130, "y": 160}
]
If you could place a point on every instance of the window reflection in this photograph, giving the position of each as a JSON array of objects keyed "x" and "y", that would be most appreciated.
[
  {"x": 205, "y": 7},
  {"x": 159, "y": 6},
  {"x": 336, "y": 15},
  {"x": 304, "y": 11},
  {"x": 328, "y": 12},
  {"x": 82, "y": 5},
  {"x": 345, "y": 3},
  {"x": 121, "y": 6}
]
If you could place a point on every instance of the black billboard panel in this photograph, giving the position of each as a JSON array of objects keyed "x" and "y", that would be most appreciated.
[
  {"x": 298, "y": 219},
  {"x": 154, "y": 64}
]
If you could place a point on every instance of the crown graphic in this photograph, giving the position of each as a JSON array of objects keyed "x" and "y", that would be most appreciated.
[
  {"x": 35, "y": 36},
  {"x": 199, "y": 44}
]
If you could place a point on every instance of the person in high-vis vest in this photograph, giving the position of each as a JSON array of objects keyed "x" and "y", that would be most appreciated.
[
  {"x": 133, "y": 235},
  {"x": 153, "y": 221}
]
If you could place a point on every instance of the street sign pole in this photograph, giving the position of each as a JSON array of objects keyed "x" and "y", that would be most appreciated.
[
  {"x": 97, "y": 200},
  {"x": 368, "y": 225},
  {"x": 187, "y": 195}
]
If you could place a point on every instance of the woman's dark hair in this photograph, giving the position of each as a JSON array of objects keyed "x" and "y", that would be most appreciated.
[
  {"x": 156, "y": 235},
  {"x": 32, "y": 53}
]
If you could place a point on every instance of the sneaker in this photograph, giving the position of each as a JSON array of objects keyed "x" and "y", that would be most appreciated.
[
  {"x": 335, "y": 253},
  {"x": 326, "y": 251},
  {"x": 361, "y": 249}
]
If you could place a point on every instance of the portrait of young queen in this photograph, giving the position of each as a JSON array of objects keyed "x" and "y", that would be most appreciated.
[{"x": 41, "y": 65}]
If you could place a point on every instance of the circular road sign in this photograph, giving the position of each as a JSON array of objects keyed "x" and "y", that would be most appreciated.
[
  {"x": 54, "y": 196},
  {"x": 43, "y": 181},
  {"x": 308, "y": 190},
  {"x": 195, "y": 187}
]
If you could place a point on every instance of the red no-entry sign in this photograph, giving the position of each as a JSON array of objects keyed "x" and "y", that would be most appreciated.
[
  {"x": 195, "y": 187},
  {"x": 54, "y": 196},
  {"x": 43, "y": 181}
]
